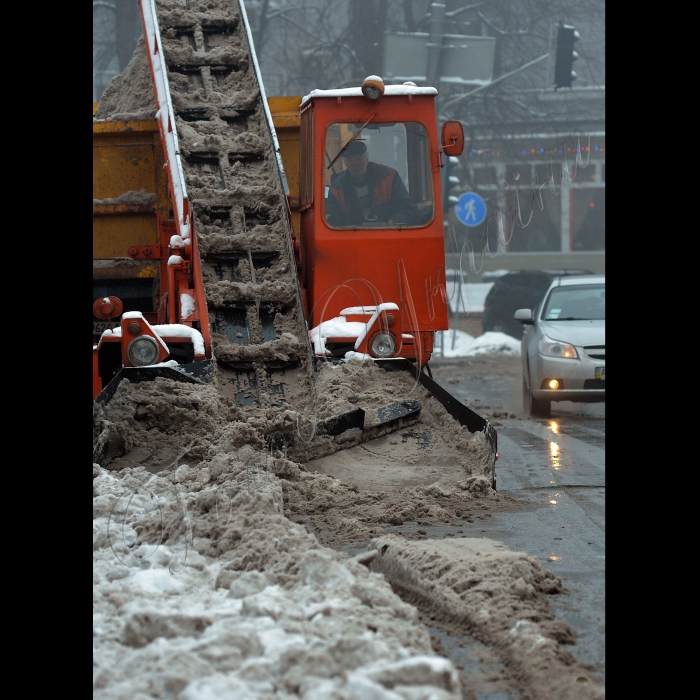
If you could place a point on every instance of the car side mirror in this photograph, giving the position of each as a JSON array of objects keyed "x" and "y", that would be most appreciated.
[{"x": 524, "y": 316}]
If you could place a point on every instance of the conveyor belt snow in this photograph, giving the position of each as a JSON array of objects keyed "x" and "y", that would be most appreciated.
[{"x": 234, "y": 184}]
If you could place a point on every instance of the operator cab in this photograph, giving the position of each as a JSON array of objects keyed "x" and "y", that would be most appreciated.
[{"x": 371, "y": 234}]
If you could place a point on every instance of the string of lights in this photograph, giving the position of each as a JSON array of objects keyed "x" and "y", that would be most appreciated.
[{"x": 538, "y": 151}]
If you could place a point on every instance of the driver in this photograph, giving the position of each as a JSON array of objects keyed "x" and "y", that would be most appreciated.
[{"x": 369, "y": 194}]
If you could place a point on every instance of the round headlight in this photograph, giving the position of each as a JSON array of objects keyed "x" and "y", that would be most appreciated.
[
  {"x": 383, "y": 345},
  {"x": 373, "y": 87},
  {"x": 143, "y": 351}
]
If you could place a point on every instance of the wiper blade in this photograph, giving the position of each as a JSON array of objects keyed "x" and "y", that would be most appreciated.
[
  {"x": 355, "y": 135},
  {"x": 578, "y": 318}
]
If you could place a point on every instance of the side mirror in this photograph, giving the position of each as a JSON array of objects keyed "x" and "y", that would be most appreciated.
[
  {"x": 452, "y": 138},
  {"x": 524, "y": 316}
]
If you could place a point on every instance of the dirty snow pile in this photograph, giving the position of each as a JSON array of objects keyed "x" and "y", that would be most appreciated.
[
  {"x": 203, "y": 592},
  {"x": 455, "y": 343},
  {"x": 494, "y": 593}
]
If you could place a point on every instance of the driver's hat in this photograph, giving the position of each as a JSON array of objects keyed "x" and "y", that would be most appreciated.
[{"x": 356, "y": 148}]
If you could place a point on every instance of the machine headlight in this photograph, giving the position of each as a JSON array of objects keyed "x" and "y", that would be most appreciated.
[
  {"x": 373, "y": 87},
  {"x": 383, "y": 345},
  {"x": 555, "y": 348},
  {"x": 143, "y": 351}
]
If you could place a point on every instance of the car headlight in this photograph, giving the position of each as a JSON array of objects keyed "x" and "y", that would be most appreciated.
[
  {"x": 383, "y": 345},
  {"x": 555, "y": 348},
  {"x": 143, "y": 351}
]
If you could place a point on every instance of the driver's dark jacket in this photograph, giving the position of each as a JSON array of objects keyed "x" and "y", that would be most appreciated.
[{"x": 390, "y": 199}]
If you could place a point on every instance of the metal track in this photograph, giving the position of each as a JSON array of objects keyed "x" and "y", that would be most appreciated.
[{"x": 226, "y": 169}]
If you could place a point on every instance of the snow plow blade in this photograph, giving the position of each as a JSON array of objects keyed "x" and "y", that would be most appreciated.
[
  {"x": 461, "y": 413},
  {"x": 192, "y": 372},
  {"x": 345, "y": 430}
]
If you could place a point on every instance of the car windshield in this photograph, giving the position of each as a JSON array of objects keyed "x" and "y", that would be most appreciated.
[{"x": 575, "y": 303}]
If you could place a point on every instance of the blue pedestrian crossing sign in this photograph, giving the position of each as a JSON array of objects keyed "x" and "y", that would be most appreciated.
[{"x": 470, "y": 209}]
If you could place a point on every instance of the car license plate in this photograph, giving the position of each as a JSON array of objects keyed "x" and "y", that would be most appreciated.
[
  {"x": 600, "y": 372},
  {"x": 99, "y": 326}
]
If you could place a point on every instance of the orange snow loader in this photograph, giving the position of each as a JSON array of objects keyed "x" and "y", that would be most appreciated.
[
  {"x": 377, "y": 289},
  {"x": 371, "y": 287},
  {"x": 359, "y": 169}
]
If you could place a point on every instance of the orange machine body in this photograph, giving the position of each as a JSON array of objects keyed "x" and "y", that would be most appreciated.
[
  {"x": 138, "y": 262},
  {"x": 366, "y": 267}
]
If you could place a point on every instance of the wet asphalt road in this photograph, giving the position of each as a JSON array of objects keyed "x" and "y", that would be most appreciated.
[{"x": 557, "y": 467}]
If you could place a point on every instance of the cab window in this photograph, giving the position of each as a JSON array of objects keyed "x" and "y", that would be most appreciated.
[{"x": 377, "y": 175}]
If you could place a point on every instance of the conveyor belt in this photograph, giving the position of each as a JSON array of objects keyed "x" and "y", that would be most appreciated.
[{"x": 225, "y": 168}]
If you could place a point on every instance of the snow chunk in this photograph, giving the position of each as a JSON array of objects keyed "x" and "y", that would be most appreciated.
[
  {"x": 456, "y": 343},
  {"x": 187, "y": 305},
  {"x": 352, "y": 355},
  {"x": 156, "y": 581},
  {"x": 247, "y": 584},
  {"x": 317, "y": 568},
  {"x": 333, "y": 328},
  {"x": 178, "y": 330},
  {"x": 359, "y": 687},
  {"x": 218, "y": 687},
  {"x": 271, "y": 602},
  {"x": 418, "y": 670},
  {"x": 276, "y": 642}
]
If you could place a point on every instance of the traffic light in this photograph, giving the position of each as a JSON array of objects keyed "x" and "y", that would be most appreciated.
[{"x": 565, "y": 56}]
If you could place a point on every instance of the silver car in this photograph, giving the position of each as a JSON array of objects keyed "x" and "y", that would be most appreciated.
[{"x": 563, "y": 344}]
